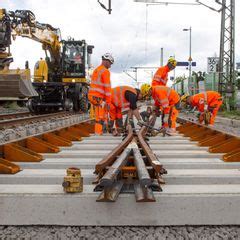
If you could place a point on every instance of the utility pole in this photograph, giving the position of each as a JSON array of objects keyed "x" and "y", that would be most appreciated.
[
  {"x": 161, "y": 58},
  {"x": 190, "y": 56},
  {"x": 226, "y": 68}
]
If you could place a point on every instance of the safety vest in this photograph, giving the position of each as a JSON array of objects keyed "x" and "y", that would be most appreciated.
[
  {"x": 162, "y": 99},
  {"x": 209, "y": 97},
  {"x": 100, "y": 85},
  {"x": 118, "y": 97},
  {"x": 161, "y": 76}
]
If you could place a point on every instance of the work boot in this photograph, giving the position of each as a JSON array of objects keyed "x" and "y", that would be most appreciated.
[
  {"x": 110, "y": 126},
  {"x": 115, "y": 133},
  {"x": 171, "y": 132}
]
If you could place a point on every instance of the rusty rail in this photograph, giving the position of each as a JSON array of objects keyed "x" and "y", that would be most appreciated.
[
  {"x": 111, "y": 157},
  {"x": 111, "y": 175},
  {"x": 127, "y": 165},
  {"x": 142, "y": 172},
  {"x": 13, "y": 115},
  {"x": 24, "y": 118}
]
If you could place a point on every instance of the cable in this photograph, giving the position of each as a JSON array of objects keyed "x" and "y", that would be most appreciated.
[{"x": 146, "y": 31}]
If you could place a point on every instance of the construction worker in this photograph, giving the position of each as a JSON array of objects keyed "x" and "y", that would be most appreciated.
[
  {"x": 123, "y": 100},
  {"x": 100, "y": 92},
  {"x": 146, "y": 114},
  {"x": 166, "y": 99},
  {"x": 161, "y": 75},
  {"x": 207, "y": 103}
]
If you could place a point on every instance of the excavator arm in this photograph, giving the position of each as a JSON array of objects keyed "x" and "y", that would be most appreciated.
[
  {"x": 23, "y": 23},
  {"x": 5, "y": 39}
]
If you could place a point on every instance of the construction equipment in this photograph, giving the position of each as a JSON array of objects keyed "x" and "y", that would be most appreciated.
[
  {"x": 61, "y": 80},
  {"x": 14, "y": 82},
  {"x": 73, "y": 182}
]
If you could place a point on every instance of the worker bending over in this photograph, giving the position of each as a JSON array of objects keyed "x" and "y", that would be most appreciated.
[
  {"x": 205, "y": 102},
  {"x": 166, "y": 99},
  {"x": 123, "y": 99},
  {"x": 100, "y": 92},
  {"x": 160, "y": 78}
]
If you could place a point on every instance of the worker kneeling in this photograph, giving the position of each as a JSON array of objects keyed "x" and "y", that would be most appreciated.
[
  {"x": 166, "y": 99},
  {"x": 207, "y": 103},
  {"x": 123, "y": 99}
]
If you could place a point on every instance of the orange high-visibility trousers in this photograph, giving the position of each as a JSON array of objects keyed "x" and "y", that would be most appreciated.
[
  {"x": 172, "y": 118},
  {"x": 115, "y": 115},
  {"x": 100, "y": 114},
  {"x": 115, "y": 112},
  {"x": 216, "y": 105},
  {"x": 100, "y": 119}
]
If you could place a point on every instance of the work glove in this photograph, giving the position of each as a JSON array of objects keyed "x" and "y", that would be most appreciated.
[
  {"x": 102, "y": 104},
  {"x": 210, "y": 109},
  {"x": 198, "y": 114},
  {"x": 141, "y": 123},
  {"x": 157, "y": 112},
  {"x": 107, "y": 107}
]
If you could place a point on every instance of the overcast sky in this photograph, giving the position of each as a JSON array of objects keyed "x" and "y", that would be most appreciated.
[{"x": 133, "y": 39}]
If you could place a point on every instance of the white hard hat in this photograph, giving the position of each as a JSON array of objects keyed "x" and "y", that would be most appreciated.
[{"x": 109, "y": 57}]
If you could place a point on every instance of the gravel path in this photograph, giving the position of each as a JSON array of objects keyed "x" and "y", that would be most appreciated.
[{"x": 131, "y": 233}]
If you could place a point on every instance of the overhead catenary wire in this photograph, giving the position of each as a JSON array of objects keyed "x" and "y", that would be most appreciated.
[{"x": 99, "y": 22}]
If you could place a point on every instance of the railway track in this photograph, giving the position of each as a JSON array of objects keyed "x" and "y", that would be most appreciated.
[
  {"x": 14, "y": 115},
  {"x": 132, "y": 165},
  {"x": 202, "y": 184},
  {"x": 16, "y": 119}
]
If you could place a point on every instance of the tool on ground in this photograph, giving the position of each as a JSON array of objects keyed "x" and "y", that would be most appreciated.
[
  {"x": 73, "y": 182},
  {"x": 158, "y": 130}
]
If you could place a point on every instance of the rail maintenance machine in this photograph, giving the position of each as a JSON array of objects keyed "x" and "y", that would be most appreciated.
[{"x": 60, "y": 81}]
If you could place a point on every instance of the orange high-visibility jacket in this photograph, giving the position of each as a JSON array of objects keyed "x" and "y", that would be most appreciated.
[
  {"x": 118, "y": 97},
  {"x": 165, "y": 96},
  {"x": 161, "y": 76},
  {"x": 211, "y": 98},
  {"x": 100, "y": 85}
]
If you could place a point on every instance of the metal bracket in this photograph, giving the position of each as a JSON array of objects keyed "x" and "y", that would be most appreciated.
[{"x": 109, "y": 9}]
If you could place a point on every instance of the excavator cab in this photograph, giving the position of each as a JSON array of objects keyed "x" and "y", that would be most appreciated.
[
  {"x": 75, "y": 64},
  {"x": 73, "y": 60}
]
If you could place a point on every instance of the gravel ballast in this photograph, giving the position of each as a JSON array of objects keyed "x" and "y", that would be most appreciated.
[
  {"x": 23, "y": 131},
  {"x": 133, "y": 233}
]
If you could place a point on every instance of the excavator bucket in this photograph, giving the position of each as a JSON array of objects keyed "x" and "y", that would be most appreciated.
[{"x": 14, "y": 86}]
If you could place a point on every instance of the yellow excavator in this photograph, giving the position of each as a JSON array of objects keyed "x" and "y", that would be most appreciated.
[{"x": 60, "y": 80}]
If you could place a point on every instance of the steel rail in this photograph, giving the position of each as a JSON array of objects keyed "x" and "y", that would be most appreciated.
[
  {"x": 11, "y": 115},
  {"x": 142, "y": 172},
  {"x": 157, "y": 166},
  {"x": 117, "y": 168},
  {"x": 24, "y": 120},
  {"x": 111, "y": 157},
  {"x": 112, "y": 173}
]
